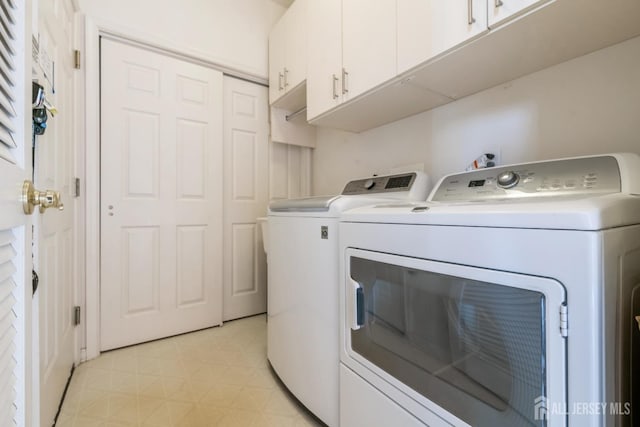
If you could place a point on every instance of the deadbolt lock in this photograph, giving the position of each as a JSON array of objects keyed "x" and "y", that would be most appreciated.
[{"x": 45, "y": 199}]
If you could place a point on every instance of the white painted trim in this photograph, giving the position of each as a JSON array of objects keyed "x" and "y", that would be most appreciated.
[
  {"x": 92, "y": 188},
  {"x": 228, "y": 71},
  {"x": 79, "y": 172},
  {"x": 169, "y": 47}
]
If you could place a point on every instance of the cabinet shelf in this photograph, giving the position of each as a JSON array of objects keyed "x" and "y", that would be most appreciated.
[{"x": 294, "y": 99}]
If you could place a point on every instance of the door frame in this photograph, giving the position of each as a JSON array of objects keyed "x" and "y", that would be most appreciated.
[{"x": 89, "y": 155}]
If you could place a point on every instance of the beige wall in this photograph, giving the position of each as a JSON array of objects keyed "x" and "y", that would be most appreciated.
[
  {"x": 233, "y": 33},
  {"x": 588, "y": 105}
]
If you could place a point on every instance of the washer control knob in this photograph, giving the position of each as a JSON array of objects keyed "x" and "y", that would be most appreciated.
[
  {"x": 369, "y": 184},
  {"x": 508, "y": 179}
]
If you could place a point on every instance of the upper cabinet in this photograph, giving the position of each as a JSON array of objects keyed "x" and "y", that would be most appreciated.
[
  {"x": 324, "y": 74},
  {"x": 288, "y": 58},
  {"x": 352, "y": 49},
  {"x": 426, "y": 28},
  {"x": 375, "y": 62},
  {"x": 368, "y": 44}
]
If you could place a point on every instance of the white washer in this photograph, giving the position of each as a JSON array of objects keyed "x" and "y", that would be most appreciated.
[
  {"x": 508, "y": 299},
  {"x": 302, "y": 328}
]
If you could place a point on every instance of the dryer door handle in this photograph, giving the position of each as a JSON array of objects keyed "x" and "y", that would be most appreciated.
[{"x": 356, "y": 305}]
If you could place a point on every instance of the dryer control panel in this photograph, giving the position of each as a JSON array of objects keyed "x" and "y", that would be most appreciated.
[
  {"x": 406, "y": 183},
  {"x": 554, "y": 178}
]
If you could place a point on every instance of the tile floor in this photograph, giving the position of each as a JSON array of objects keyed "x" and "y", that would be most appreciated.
[{"x": 215, "y": 377}]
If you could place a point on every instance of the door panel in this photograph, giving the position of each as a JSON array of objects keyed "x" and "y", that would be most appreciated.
[
  {"x": 246, "y": 194},
  {"x": 245, "y": 251},
  {"x": 161, "y": 214},
  {"x": 141, "y": 145},
  {"x": 192, "y": 147},
  {"x": 191, "y": 274},
  {"x": 140, "y": 285},
  {"x": 54, "y": 169}
]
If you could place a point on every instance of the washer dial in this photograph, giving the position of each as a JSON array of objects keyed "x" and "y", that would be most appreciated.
[{"x": 508, "y": 179}]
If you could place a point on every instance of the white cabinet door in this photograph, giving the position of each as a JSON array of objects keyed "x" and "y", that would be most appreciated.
[
  {"x": 368, "y": 44},
  {"x": 288, "y": 52},
  {"x": 427, "y": 28},
  {"x": 276, "y": 61},
  {"x": 502, "y": 10},
  {"x": 324, "y": 56},
  {"x": 295, "y": 45}
]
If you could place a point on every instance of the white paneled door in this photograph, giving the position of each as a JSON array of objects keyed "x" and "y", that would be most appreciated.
[
  {"x": 161, "y": 195},
  {"x": 54, "y": 249},
  {"x": 246, "y": 158}
]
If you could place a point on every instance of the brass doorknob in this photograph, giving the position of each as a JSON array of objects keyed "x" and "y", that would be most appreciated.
[{"x": 45, "y": 199}]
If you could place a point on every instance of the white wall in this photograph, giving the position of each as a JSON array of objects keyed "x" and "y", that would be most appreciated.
[
  {"x": 233, "y": 33},
  {"x": 588, "y": 105}
]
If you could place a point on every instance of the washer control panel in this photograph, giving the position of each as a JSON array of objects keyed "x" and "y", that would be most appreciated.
[
  {"x": 380, "y": 184},
  {"x": 588, "y": 175}
]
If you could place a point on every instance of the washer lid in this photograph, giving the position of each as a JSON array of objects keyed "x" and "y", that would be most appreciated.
[
  {"x": 306, "y": 204},
  {"x": 584, "y": 213},
  {"x": 360, "y": 192}
]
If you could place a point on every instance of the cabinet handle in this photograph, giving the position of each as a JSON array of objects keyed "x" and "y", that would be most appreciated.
[
  {"x": 286, "y": 79},
  {"x": 280, "y": 77},
  {"x": 335, "y": 87},
  {"x": 472, "y": 20},
  {"x": 345, "y": 82},
  {"x": 499, "y": 3}
]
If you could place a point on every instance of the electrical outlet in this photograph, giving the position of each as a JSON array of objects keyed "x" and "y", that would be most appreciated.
[
  {"x": 497, "y": 156},
  {"x": 497, "y": 160}
]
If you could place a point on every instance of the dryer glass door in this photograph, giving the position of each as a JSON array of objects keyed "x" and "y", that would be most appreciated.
[{"x": 484, "y": 345}]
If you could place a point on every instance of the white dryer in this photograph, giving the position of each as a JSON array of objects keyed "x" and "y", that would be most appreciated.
[
  {"x": 302, "y": 328},
  {"x": 511, "y": 298}
]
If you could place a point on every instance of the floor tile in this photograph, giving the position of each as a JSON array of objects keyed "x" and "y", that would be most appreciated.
[{"x": 214, "y": 377}]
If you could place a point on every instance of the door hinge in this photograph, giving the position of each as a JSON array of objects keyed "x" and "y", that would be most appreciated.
[
  {"x": 76, "y": 315},
  {"x": 35, "y": 280},
  {"x": 76, "y": 187},
  {"x": 564, "y": 321},
  {"x": 76, "y": 59}
]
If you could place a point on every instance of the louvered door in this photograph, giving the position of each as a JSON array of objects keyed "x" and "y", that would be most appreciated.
[
  {"x": 7, "y": 328},
  {"x": 15, "y": 228}
]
